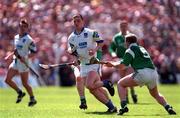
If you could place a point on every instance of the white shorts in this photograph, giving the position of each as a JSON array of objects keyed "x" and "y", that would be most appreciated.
[
  {"x": 85, "y": 69},
  {"x": 76, "y": 71},
  {"x": 17, "y": 65},
  {"x": 146, "y": 77}
]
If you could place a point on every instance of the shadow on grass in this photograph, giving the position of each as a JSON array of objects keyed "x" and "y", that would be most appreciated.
[
  {"x": 105, "y": 113},
  {"x": 100, "y": 113},
  {"x": 146, "y": 115},
  {"x": 143, "y": 103},
  {"x": 127, "y": 114}
]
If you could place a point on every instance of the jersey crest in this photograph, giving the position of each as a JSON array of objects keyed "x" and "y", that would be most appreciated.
[
  {"x": 85, "y": 35},
  {"x": 23, "y": 40}
]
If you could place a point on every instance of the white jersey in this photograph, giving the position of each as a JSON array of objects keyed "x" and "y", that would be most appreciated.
[
  {"x": 82, "y": 42},
  {"x": 24, "y": 45}
]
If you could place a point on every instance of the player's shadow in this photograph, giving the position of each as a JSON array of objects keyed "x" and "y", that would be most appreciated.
[
  {"x": 143, "y": 103},
  {"x": 99, "y": 113},
  {"x": 146, "y": 115},
  {"x": 106, "y": 113}
]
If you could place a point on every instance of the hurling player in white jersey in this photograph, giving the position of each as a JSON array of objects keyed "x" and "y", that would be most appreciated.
[
  {"x": 84, "y": 43},
  {"x": 24, "y": 49}
]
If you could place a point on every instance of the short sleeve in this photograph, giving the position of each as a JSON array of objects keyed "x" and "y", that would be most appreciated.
[
  {"x": 97, "y": 38},
  {"x": 128, "y": 57},
  {"x": 32, "y": 45}
]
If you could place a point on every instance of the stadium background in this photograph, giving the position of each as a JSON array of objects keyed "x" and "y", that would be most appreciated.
[{"x": 156, "y": 23}]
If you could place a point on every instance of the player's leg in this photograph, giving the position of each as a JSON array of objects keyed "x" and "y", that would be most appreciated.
[
  {"x": 125, "y": 82},
  {"x": 104, "y": 92},
  {"x": 161, "y": 100},
  {"x": 122, "y": 72},
  {"x": 24, "y": 78},
  {"x": 80, "y": 85},
  {"x": 97, "y": 83},
  {"x": 132, "y": 90},
  {"x": 100, "y": 95},
  {"x": 92, "y": 80},
  {"x": 98, "y": 87},
  {"x": 152, "y": 77},
  {"x": 10, "y": 74},
  {"x": 109, "y": 104},
  {"x": 133, "y": 95}
]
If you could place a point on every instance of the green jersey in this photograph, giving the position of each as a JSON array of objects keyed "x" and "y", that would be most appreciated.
[
  {"x": 99, "y": 54},
  {"x": 118, "y": 45},
  {"x": 137, "y": 57}
]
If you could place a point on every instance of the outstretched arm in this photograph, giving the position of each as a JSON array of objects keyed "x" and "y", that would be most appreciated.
[
  {"x": 127, "y": 59},
  {"x": 9, "y": 56},
  {"x": 112, "y": 49}
]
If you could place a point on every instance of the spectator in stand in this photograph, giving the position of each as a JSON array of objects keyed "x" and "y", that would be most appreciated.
[{"x": 158, "y": 20}]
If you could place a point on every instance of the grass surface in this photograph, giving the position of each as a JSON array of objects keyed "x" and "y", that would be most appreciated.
[{"x": 55, "y": 102}]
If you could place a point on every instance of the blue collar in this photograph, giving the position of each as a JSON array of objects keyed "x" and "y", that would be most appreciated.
[{"x": 75, "y": 32}]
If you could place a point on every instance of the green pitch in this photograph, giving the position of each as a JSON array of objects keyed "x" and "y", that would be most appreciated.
[{"x": 55, "y": 102}]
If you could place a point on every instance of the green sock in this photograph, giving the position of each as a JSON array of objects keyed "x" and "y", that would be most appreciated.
[{"x": 83, "y": 99}]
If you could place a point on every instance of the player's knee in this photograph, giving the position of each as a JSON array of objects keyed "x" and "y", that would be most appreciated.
[
  {"x": 7, "y": 80},
  {"x": 92, "y": 91},
  {"x": 90, "y": 87},
  {"x": 25, "y": 84},
  {"x": 155, "y": 95},
  {"x": 92, "y": 74},
  {"x": 159, "y": 96},
  {"x": 120, "y": 83},
  {"x": 79, "y": 79}
]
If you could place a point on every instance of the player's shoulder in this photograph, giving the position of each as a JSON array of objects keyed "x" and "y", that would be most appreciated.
[
  {"x": 16, "y": 36},
  {"x": 88, "y": 30},
  {"x": 28, "y": 36},
  {"x": 116, "y": 36},
  {"x": 130, "y": 51},
  {"x": 93, "y": 31},
  {"x": 71, "y": 37},
  {"x": 134, "y": 47}
]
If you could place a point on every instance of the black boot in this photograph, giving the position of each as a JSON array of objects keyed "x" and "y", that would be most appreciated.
[
  {"x": 32, "y": 102},
  {"x": 20, "y": 96},
  {"x": 170, "y": 110}
]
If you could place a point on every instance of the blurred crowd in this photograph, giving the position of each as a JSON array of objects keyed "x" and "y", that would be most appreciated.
[{"x": 156, "y": 23}]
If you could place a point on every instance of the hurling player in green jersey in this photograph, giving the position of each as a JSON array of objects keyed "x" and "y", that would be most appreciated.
[
  {"x": 145, "y": 74},
  {"x": 117, "y": 49}
]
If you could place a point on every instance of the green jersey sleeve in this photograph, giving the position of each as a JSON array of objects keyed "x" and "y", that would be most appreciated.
[
  {"x": 112, "y": 47},
  {"x": 99, "y": 54},
  {"x": 128, "y": 57},
  {"x": 118, "y": 45}
]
